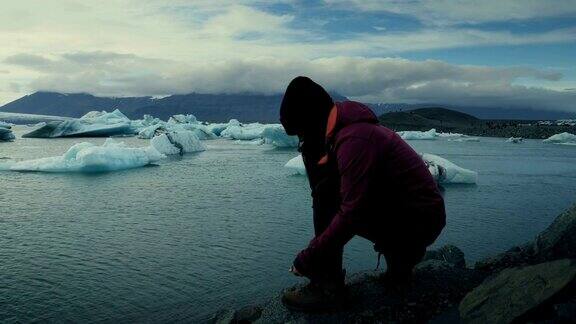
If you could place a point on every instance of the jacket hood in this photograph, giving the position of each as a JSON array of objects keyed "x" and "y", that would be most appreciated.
[{"x": 351, "y": 112}]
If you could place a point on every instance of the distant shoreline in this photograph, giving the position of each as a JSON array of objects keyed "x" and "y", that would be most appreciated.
[{"x": 450, "y": 121}]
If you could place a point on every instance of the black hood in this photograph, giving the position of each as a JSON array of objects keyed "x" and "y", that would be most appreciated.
[{"x": 305, "y": 108}]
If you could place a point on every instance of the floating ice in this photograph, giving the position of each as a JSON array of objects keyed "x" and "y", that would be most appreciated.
[
  {"x": 146, "y": 121},
  {"x": 515, "y": 140},
  {"x": 152, "y": 130},
  {"x": 451, "y": 135},
  {"x": 417, "y": 135},
  {"x": 258, "y": 141},
  {"x": 88, "y": 157},
  {"x": 464, "y": 139},
  {"x": 445, "y": 171},
  {"x": 276, "y": 135},
  {"x": 177, "y": 142},
  {"x": 442, "y": 170},
  {"x": 562, "y": 138},
  {"x": 190, "y": 123},
  {"x": 93, "y": 124},
  {"x": 273, "y": 134},
  {"x": 6, "y": 134},
  {"x": 217, "y": 128},
  {"x": 296, "y": 165}
]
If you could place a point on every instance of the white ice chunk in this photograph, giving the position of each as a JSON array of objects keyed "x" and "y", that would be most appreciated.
[
  {"x": 145, "y": 122},
  {"x": 217, "y": 128},
  {"x": 93, "y": 124},
  {"x": 464, "y": 139},
  {"x": 183, "y": 119},
  {"x": 562, "y": 138},
  {"x": 273, "y": 134},
  {"x": 515, "y": 140},
  {"x": 417, "y": 135},
  {"x": 442, "y": 170},
  {"x": 5, "y": 124},
  {"x": 150, "y": 131},
  {"x": 177, "y": 142},
  {"x": 451, "y": 135},
  {"x": 256, "y": 142},
  {"x": 296, "y": 165},
  {"x": 190, "y": 123},
  {"x": 104, "y": 117},
  {"x": 6, "y": 134},
  {"x": 276, "y": 135},
  {"x": 244, "y": 132},
  {"x": 88, "y": 157},
  {"x": 445, "y": 171}
]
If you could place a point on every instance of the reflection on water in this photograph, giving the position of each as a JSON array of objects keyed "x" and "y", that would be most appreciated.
[{"x": 220, "y": 228}]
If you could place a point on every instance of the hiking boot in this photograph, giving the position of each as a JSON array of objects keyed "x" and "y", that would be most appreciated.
[{"x": 315, "y": 297}]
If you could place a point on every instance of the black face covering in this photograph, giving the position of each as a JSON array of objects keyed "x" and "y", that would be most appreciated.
[{"x": 305, "y": 109}]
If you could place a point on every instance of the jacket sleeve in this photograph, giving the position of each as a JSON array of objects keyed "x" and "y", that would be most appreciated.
[{"x": 356, "y": 162}]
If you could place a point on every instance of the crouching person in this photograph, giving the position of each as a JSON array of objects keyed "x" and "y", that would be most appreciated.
[{"x": 365, "y": 181}]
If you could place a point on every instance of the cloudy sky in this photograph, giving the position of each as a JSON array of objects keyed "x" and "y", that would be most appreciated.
[{"x": 507, "y": 53}]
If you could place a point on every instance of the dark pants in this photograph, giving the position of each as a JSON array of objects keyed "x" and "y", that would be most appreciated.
[
  {"x": 332, "y": 261},
  {"x": 402, "y": 252}
]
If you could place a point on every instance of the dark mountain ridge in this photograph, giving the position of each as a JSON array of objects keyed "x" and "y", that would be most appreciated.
[
  {"x": 447, "y": 120},
  {"x": 223, "y": 107}
]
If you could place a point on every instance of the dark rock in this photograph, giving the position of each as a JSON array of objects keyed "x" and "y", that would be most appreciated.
[
  {"x": 565, "y": 311},
  {"x": 224, "y": 316},
  {"x": 558, "y": 241},
  {"x": 515, "y": 293},
  {"x": 447, "y": 253},
  {"x": 516, "y": 256},
  {"x": 248, "y": 314},
  {"x": 437, "y": 286}
]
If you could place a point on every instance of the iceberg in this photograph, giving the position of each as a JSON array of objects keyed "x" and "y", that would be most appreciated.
[
  {"x": 146, "y": 121},
  {"x": 443, "y": 171},
  {"x": 4, "y": 124},
  {"x": 190, "y": 123},
  {"x": 245, "y": 132},
  {"x": 451, "y": 135},
  {"x": 273, "y": 134},
  {"x": 151, "y": 131},
  {"x": 464, "y": 139},
  {"x": 255, "y": 142},
  {"x": 88, "y": 157},
  {"x": 93, "y": 124},
  {"x": 217, "y": 128},
  {"x": 177, "y": 142},
  {"x": 6, "y": 134},
  {"x": 276, "y": 135},
  {"x": 296, "y": 166},
  {"x": 515, "y": 140},
  {"x": 417, "y": 135},
  {"x": 562, "y": 138}
]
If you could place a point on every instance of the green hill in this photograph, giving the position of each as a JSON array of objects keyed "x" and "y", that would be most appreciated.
[{"x": 425, "y": 118}]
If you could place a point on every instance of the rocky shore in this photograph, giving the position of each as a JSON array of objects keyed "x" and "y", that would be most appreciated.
[{"x": 535, "y": 283}]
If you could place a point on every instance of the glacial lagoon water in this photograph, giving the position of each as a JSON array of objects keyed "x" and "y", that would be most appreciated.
[{"x": 219, "y": 229}]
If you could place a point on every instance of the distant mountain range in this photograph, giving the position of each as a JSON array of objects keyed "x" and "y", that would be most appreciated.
[
  {"x": 206, "y": 107},
  {"x": 222, "y": 107}
]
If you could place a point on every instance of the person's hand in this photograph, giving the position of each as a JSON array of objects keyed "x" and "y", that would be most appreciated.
[{"x": 294, "y": 271}]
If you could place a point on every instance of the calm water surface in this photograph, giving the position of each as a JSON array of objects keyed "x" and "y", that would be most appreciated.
[{"x": 178, "y": 241}]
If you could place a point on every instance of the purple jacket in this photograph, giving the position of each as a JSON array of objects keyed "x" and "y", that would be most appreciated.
[{"x": 386, "y": 193}]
